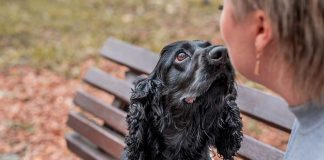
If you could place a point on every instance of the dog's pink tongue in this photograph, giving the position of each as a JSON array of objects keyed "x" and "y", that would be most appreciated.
[{"x": 190, "y": 100}]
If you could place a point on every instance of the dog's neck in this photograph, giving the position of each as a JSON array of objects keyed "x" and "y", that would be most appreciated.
[{"x": 187, "y": 127}]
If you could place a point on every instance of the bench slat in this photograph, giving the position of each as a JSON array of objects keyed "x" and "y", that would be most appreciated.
[
  {"x": 259, "y": 105},
  {"x": 104, "y": 138},
  {"x": 264, "y": 107},
  {"x": 266, "y": 150},
  {"x": 251, "y": 148},
  {"x": 137, "y": 58},
  {"x": 112, "y": 116},
  {"x": 108, "y": 83},
  {"x": 84, "y": 149},
  {"x": 256, "y": 150},
  {"x": 247, "y": 144}
]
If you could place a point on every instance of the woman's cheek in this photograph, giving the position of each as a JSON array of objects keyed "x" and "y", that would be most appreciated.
[
  {"x": 226, "y": 30},
  {"x": 223, "y": 26},
  {"x": 238, "y": 42}
]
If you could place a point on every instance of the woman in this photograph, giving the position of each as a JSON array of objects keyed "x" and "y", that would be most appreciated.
[{"x": 280, "y": 44}]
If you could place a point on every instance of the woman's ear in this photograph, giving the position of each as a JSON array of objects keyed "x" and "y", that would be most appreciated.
[{"x": 263, "y": 30}]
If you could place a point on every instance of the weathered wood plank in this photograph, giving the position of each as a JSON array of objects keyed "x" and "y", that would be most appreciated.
[
  {"x": 259, "y": 105},
  {"x": 264, "y": 107},
  {"x": 137, "y": 58},
  {"x": 108, "y": 83},
  {"x": 84, "y": 148},
  {"x": 106, "y": 139},
  {"x": 112, "y": 116},
  {"x": 256, "y": 150}
]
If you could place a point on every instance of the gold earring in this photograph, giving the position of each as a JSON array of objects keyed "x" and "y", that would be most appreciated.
[{"x": 257, "y": 64}]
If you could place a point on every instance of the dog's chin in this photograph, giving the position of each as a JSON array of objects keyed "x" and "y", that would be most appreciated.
[{"x": 192, "y": 98}]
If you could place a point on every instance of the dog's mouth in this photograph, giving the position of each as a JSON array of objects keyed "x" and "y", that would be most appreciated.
[{"x": 192, "y": 98}]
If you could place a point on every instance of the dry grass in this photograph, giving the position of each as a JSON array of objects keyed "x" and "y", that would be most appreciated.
[{"x": 59, "y": 34}]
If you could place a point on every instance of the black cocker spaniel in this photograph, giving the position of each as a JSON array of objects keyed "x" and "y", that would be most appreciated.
[{"x": 185, "y": 106}]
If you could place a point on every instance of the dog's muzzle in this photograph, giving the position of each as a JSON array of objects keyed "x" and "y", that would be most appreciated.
[{"x": 218, "y": 54}]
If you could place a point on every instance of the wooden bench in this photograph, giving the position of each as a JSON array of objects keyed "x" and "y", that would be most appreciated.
[{"x": 89, "y": 140}]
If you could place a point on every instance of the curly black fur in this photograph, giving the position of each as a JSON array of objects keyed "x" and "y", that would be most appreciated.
[{"x": 165, "y": 125}]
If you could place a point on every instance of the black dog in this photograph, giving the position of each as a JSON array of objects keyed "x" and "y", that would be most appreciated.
[{"x": 185, "y": 106}]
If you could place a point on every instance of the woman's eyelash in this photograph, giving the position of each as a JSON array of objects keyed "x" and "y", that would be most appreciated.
[{"x": 220, "y": 7}]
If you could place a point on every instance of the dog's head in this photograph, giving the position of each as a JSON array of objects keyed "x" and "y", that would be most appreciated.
[
  {"x": 190, "y": 70},
  {"x": 192, "y": 86}
]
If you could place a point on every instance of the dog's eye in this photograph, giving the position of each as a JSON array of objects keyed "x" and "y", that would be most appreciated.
[{"x": 181, "y": 56}]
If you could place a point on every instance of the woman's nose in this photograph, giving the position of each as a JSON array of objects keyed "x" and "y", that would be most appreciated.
[{"x": 218, "y": 54}]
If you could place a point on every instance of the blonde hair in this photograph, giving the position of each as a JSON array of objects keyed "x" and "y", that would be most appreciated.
[{"x": 299, "y": 29}]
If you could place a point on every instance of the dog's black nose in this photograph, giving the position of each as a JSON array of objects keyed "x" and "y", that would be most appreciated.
[{"x": 218, "y": 53}]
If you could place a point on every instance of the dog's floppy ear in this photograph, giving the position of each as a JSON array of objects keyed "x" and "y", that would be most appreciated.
[
  {"x": 230, "y": 128},
  {"x": 144, "y": 100}
]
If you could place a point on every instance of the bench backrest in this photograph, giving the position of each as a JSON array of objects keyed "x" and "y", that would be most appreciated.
[{"x": 110, "y": 137}]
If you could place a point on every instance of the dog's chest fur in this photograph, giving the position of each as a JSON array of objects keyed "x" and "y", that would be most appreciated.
[
  {"x": 185, "y": 144},
  {"x": 188, "y": 134}
]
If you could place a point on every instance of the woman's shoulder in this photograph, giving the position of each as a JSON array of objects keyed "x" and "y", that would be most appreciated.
[
  {"x": 307, "y": 138},
  {"x": 309, "y": 114}
]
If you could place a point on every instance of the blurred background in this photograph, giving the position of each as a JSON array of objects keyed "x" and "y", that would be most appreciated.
[{"x": 47, "y": 45}]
